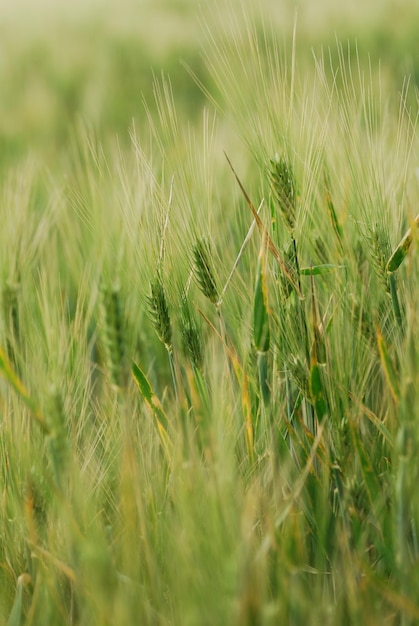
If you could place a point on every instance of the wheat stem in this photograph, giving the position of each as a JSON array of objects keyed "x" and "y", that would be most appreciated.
[{"x": 239, "y": 256}]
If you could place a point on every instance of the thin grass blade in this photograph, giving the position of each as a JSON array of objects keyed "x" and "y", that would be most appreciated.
[
  {"x": 16, "y": 618},
  {"x": 261, "y": 331},
  {"x": 317, "y": 270},
  {"x": 331, "y": 209},
  {"x": 154, "y": 405},
  {"x": 8, "y": 373},
  {"x": 388, "y": 367},
  {"x": 401, "y": 250}
]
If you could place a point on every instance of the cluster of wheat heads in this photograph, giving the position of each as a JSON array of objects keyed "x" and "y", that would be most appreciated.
[{"x": 209, "y": 399}]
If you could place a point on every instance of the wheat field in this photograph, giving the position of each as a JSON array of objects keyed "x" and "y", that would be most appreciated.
[{"x": 209, "y": 351}]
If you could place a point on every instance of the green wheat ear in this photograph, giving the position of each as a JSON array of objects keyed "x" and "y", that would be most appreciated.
[
  {"x": 159, "y": 312},
  {"x": 284, "y": 189},
  {"x": 331, "y": 208},
  {"x": 113, "y": 333},
  {"x": 191, "y": 336},
  {"x": 203, "y": 270},
  {"x": 379, "y": 250},
  {"x": 58, "y": 447},
  {"x": 11, "y": 318},
  {"x": 290, "y": 262}
]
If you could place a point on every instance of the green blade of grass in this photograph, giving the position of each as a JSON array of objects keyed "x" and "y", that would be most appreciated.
[
  {"x": 401, "y": 250},
  {"x": 369, "y": 473},
  {"x": 16, "y": 617},
  {"x": 318, "y": 350},
  {"x": 317, "y": 392},
  {"x": 249, "y": 420},
  {"x": 13, "y": 379},
  {"x": 239, "y": 256},
  {"x": 261, "y": 325},
  {"x": 153, "y": 403},
  {"x": 316, "y": 270},
  {"x": 318, "y": 355},
  {"x": 261, "y": 331},
  {"x": 331, "y": 209},
  {"x": 388, "y": 367},
  {"x": 242, "y": 379}
]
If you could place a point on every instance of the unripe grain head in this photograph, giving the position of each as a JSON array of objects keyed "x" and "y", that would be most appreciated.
[
  {"x": 203, "y": 270},
  {"x": 159, "y": 312},
  {"x": 284, "y": 189}
]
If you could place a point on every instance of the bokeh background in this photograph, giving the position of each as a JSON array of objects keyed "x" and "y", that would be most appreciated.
[{"x": 94, "y": 62}]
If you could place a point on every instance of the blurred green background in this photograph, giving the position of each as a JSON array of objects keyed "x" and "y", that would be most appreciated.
[{"x": 93, "y": 62}]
